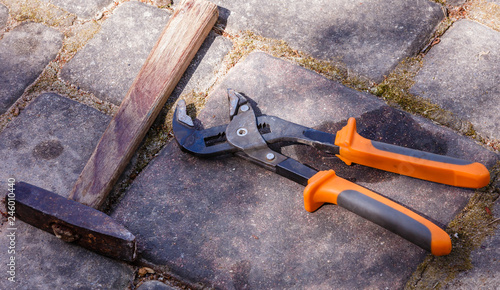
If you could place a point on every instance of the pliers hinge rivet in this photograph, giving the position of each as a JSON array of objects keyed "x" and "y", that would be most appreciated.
[{"x": 241, "y": 132}]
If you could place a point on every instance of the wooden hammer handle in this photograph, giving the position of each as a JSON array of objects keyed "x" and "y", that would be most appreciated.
[{"x": 183, "y": 35}]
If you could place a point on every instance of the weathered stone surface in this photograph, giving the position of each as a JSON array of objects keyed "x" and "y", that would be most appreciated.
[
  {"x": 230, "y": 224},
  {"x": 83, "y": 9},
  {"x": 370, "y": 37},
  {"x": 200, "y": 74},
  {"x": 109, "y": 63},
  {"x": 154, "y": 285},
  {"x": 462, "y": 74},
  {"x": 4, "y": 15},
  {"x": 486, "y": 262},
  {"x": 114, "y": 67},
  {"x": 24, "y": 53},
  {"x": 49, "y": 143},
  {"x": 455, "y": 2},
  {"x": 48, "y": 146}
]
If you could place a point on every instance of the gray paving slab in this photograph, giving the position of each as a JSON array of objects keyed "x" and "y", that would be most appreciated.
[
  {"x": 83, "y": 9},
  {"x": 485, "y": 260},
  {"x": 154, "y": 285},
  {"x": 48, "y": 145},
  {"x": 462, "y": 74},
  {"x": 24, "y": 53},
  {"x": 230, "y": 224},
  {"x": 4, "y": 15},
  {"x": 371, "y": 37},
  {"x": 109, "y": 63},
  {"x": 455, "y": 2},
  {"x": 201, "y": 73}
]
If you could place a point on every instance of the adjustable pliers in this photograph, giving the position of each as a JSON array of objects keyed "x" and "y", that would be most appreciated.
[{"x": 248, "y": 136}]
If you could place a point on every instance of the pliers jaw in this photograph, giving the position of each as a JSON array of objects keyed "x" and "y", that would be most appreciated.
[
  {"x": 243, "y": 133},
  {"x": 247, "y": 136},
  {"x": 270, "y": 128},
  {"x": 241, "y": 136},
  {"x": 204, "y": 143}
]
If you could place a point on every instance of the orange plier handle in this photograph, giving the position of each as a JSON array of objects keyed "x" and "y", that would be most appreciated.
[
  {"x": 327, "y": 187},
  {"x": 419, "y": 164}
]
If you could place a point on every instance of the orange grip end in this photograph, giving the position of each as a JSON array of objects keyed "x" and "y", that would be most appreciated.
[
  {"x": 442, "y": 169},
  {"x": 326, "y": 186}
]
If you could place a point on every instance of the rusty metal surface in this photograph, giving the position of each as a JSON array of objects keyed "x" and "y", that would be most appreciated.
[{"x": 74, "y": 222}]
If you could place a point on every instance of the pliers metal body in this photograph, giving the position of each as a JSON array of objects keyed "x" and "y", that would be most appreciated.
[{"x": 248, "y": 136}]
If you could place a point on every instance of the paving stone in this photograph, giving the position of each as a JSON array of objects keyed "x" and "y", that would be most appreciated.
[
  {"x": 47, "y": 145},
  {"x": 230, "y": 224},
  {"x": 455, "y": 2},
  {"x": 83, "y": 9},
  {"x": 462, "y": 74},
  {"x": 154, "y": 285},
  {"x": 109, "y": 63},
  {"x": 486, "y": 262},
  {"x": 24, "y": 53},
  {"x": 4, "y": 15},
  {"x": 371, "y": 37},
  {"x": 200, "y": 74}
]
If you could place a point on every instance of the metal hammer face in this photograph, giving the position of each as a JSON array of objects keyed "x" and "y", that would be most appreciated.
[{"x": 74, "y": 222}]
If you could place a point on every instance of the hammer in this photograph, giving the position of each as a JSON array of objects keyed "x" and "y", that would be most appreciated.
[{"x": 77, "y": 219}]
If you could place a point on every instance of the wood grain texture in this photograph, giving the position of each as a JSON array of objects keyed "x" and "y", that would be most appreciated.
[{"x": 180, "y": 40}]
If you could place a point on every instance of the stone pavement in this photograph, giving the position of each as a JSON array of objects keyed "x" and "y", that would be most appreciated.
[
  {"x": 468, "y": 53},
  {"x": 26, "y": 51},
  {"x": 66, "y": 65},
  {"x": 351, "y": 31}
]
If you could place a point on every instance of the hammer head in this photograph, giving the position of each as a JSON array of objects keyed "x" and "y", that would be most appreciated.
[{"x": 74, "y": 222}]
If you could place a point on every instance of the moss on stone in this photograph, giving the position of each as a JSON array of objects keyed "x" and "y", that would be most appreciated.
[
  {"x": 395, "y": 91},
  {"x": 467, "y": 231},
  {"x": 38, "y": 11},
  {"x": 485, "y": 12},
  {"x": 77, "y": 36}
]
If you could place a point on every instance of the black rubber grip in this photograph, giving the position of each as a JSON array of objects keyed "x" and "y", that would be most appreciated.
[{"x": 387, "y": 217}]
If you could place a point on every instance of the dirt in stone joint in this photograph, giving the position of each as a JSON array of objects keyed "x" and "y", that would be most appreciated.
[
  {"x": 146, "y": 272},
  {"x": 467, "y": 231}
]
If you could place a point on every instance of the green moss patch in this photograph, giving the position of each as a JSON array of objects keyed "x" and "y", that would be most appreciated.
[{"x": 38, "y": 11}]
